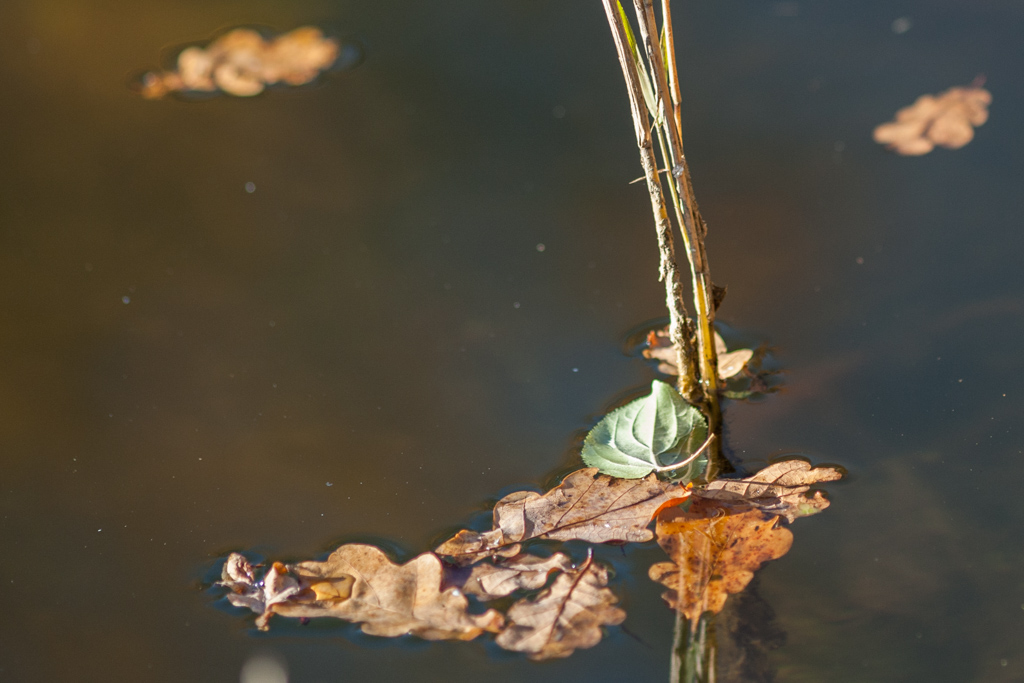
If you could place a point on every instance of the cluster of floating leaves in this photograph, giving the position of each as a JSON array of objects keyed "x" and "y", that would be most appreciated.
[
  {"x": 947, "y": 120},
  {"x": 243, "y": 63},
  {"x": 730, "y": 528},
  {"x": 659, "y": 348}
]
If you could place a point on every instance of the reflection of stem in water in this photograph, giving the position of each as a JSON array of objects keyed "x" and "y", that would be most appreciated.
[{"x": 693, "y": 650}]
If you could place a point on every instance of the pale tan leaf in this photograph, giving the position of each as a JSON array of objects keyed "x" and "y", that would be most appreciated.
[
  {"x": 242, "y": 63},
  {"x": 947, "y": 120},
  {"x": 388, "y": 599},
  {"x": 565, "y": 617},
  {"x": 715, "y": 550},
  {"x": 586, "y": 506},
  {"x": 730, "y": 364},
  {"x": 659, "y": 347},
  {"x": 780, "y": 489},
  {"x": 359, "y": 583},
  {"x": 489, "y": 581}
]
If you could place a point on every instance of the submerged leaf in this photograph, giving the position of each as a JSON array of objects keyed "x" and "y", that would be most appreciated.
[
  {"x": 947, "y": 120},
  {"x": 779, "y": 489},
  {"x": 645, "y": 435},
  {"x": 586, "y": 506},
  {"x": 359, "y": 583},
  {"x": 715, "y": 549},
  {"x": 567, "y": 616}
]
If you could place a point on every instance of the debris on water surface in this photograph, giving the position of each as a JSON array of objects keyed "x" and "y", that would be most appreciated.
[
  {"x": 659, "y": 347},
  {"x": 243, "y": 63},
  {"x": 947, "y": 120}
]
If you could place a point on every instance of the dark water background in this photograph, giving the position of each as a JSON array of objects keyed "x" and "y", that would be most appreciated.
[{"x": 187, "y": 365}]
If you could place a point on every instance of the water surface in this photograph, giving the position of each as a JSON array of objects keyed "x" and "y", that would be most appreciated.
[{"x": 372, "y": 345}]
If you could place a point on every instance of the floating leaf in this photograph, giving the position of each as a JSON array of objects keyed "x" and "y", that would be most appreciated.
[
  {"x": 659, "y": 347},
  {"x": 778, "y": 489},
  {"x": 645, "y": 435},
  {"x": 278, "y": 586},
  {"x": 947, "y": 120},
  {"x": 489, "y": 581},
  {"x": 586, "y": 506},
  {"x": 715, "y": 548},
  {"x": 359, "y": 583},
  {"x": 567, "y": 616},
  {"x": 242, "y": 63}
]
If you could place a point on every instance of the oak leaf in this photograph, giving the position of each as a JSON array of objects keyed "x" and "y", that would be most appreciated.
[
  {"x": 586, "y": 506},
  {"x": 715, "y": 548},
  {"x": 489, "y": 581},
  {"x": 565, "y": 617},
  {"x": 947, "y": 119},
  {"x": 778, "y": 489},
  {"x": 242, "y": 63},
  {"x": 277, "y": 586},
  {"x": 359, "y": 583},
  {"x": 659, "y": 347}
]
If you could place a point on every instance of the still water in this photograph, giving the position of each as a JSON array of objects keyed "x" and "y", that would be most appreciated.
[{"x": 372, "y": 343}]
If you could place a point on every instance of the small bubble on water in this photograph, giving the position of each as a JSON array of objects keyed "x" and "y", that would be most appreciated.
[
  {"x": 250, "y": 187},
  {"x": 515, "y": 305},
  {"x": 541, "y": 247},
  {"x": 126, "y": 299}
]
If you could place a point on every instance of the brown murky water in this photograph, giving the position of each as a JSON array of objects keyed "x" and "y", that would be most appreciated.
[{"x": 373, "y": 344}]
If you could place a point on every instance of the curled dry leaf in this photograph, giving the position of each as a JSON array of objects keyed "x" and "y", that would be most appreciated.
[
  {"x": 659, "y": 347},
  {"x": 489, "y": 581},
  {"x": 567, "y": 616},
  {"x": 947, "y": 120},
  {"x": 715, "y": 548},
  {"x": 778, "y": 489},
  {"x": 278, "y": 586},
  {"x": 586, "y": 506},
  {"x": 242, "y": 63},
  {"x": 359, "y": 583}
]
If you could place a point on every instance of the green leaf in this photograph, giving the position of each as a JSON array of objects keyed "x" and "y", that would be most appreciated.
[{"x": 646, "y": 435}]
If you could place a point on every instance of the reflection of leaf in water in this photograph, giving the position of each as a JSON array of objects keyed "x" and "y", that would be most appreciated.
[
  {"x": 586, "y": 506},
  {"x": 947, "y": 120},
  {"x": 715, "y": 549},
  {"x": 778, "y": 489},
  {"x": 359, "y": 583},
  {"x": 242, "y": 63},
  {"x": 565, "y": 617}
]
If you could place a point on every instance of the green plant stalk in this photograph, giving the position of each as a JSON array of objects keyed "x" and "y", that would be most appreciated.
[
  {"x": 689, "y": 379},
  {"x": 693, "y": 653},
  {"x": 686, "y": 214}
]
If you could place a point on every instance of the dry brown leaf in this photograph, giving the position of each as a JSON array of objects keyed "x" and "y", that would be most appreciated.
[
  {"x": 242, "y": 63},
  {"x": 489, "y": 581},
  {"x": 715, "y": 548},
  {"x": 947, "y": 120},
  {"x": 586, "y": 506},
  {"x": 779, "y": 489},
  {"x": 567, "y": 616},
  {"x": 277, "y": 586},
  {"x": 359, "y": 583},
  {"x": 659, "y": 347}
]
